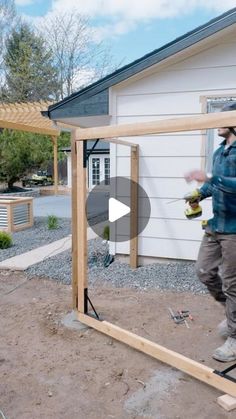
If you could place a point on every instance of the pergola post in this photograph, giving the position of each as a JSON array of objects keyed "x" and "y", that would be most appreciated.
[
  {"x": 79, "y": 224},
  {"x": 134, "y": 174},
  {"x": 74, "y": 205},
  {"x": 55, "y": 164},
  {"x": 81, "y": 245}
]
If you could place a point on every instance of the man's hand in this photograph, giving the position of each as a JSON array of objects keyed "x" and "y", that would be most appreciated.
[{"x": 198, "y": 175}]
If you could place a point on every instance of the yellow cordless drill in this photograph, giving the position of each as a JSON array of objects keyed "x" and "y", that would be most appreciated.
[
  {"x": 194, "y": 210},
  {"x": 192, "y": 198}
]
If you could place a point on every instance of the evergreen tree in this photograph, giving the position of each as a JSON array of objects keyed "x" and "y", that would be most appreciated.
[
  {"x": 30, "y": 72},
  {"x": 23, "y": 152}
]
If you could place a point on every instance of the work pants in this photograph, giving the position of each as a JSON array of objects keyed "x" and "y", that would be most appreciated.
[{"x": 218, "y": 252}]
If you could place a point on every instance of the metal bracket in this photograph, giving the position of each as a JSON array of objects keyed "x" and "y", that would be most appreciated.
[
  {"x": 85, "y": 153},
  {"x": 91, "y": 150},
  {"x": 224, "y": 373},
  {"x": 86, "y": 300}
]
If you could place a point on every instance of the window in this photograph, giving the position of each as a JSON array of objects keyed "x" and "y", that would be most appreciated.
[
  {"x": 95, "y": 171},
  {"x": 213, "y": 140},
  {"x": 107, "y": 170}
]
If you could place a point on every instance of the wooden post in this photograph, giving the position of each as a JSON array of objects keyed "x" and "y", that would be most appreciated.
[
  {"x": 81, "y": 262},
  {"x": 74, "y": 221},
  {"x": 55, "y": 164},
  {"x": 134, "y": 207}
]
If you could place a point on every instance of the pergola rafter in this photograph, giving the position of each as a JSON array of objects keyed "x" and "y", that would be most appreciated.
[{"x": 27, "y": 117}]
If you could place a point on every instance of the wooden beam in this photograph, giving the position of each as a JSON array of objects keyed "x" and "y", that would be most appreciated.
[
  {"x": 198, "y": 122},
  {"x": 187, "y": 365},
  {"x": 118, "y": 141},
  {"x": 134, "y": 175},
  {"x": 74, "y": 205},
  {"x": 55, "y": 164},
  {"x": 27, "y": 128},
  {"x": 81, "y": 262}
]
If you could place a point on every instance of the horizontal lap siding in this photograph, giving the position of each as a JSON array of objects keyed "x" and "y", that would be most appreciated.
[
  {"x": 189, "y": 80},
  {"x": 162, "y": 188},
  {"x": 164, "y": 159},
  {"x": 217, "y": 56},
  {"x": 163, "y": 248},
  {"x": 163, "y": 229},
  {"x": 158, "y": 104},
  {"x": 156, "y": 167},
  {"x": 164, "y": 208},
  {"x": 165, "y": 146}
]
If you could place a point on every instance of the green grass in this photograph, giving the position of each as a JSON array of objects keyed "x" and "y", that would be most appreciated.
[
  {"x": 5, "y": 240},
  {"x": 106, "y": 233},
  {"x": 52, "y": 222}
]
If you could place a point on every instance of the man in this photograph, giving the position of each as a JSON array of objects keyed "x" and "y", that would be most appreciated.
[{"x": 218, "y": 247}]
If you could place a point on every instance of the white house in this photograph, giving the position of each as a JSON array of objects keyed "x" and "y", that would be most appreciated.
[{"x": 189, "y": 76}]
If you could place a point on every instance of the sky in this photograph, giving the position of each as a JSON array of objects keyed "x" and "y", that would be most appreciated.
[{"x": 132, "y": 28}]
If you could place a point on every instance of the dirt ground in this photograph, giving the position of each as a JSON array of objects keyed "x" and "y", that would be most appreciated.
[{"x": 50, "y": 371}]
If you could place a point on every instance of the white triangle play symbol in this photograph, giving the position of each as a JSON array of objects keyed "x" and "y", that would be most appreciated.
[{"x": 117, "y": 209}]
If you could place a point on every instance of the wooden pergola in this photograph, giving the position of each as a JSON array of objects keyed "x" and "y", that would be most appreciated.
[
  {"x": 220, "y": 380},
  {"x": 28, "y": 117}
]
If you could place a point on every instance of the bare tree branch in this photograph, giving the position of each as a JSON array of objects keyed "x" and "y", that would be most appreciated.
[
  {"x": 7, "y": 21},
  {"x": 71, "y": 38}
]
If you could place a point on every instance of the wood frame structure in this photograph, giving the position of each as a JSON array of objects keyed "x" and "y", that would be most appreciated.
[
  {"x": 220, "y": 380},
  {"x": 79, "y": 219},
  {"x": 27, "y": 117}
]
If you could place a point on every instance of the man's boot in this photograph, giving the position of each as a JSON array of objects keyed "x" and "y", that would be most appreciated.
[
  {"x": 223, "y": 329},
  {"x": 226, "y": 352}
]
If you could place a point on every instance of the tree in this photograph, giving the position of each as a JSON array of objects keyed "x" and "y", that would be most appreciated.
[
  {"x": 79, "y": 59},
  {"x": 30, "y": 72},
  {"x": 19, "y": 154},
  {"x": 8, "y": 19},
  {"x": 22, "y": 152}
]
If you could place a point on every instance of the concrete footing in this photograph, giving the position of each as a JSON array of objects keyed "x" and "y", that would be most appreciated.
[{"x": 71, "y": 321}]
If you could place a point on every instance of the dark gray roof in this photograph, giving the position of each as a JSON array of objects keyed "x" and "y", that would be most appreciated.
[{"x": 99, "y": 89}]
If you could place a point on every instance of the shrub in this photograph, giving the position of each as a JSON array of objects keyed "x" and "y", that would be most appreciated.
[
  {"x": 52, "y": 222},
  {"x": 5, "y": 240},
  {"x": 106, "y": 233}
]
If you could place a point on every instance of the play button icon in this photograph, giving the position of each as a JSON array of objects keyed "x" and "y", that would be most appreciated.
[
  {"x": 109, "y": 205},
  {"x": 117, "y": 210}
]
